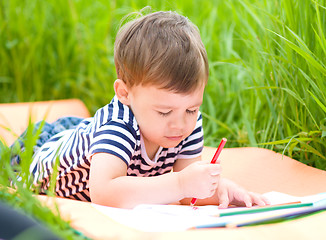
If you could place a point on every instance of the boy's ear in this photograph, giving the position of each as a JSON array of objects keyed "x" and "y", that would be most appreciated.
[{"x": 121, "y": 91}]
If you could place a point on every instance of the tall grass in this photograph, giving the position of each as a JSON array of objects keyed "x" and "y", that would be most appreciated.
[
  {"x": 267, "y": 75},
  {"x": 270, "y": 75},
  {"x": 267, "y": 63},
  {"x": 15, "y": 190}
]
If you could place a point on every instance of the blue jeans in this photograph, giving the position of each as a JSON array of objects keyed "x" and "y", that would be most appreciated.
[{"x": 48, "y": 130}]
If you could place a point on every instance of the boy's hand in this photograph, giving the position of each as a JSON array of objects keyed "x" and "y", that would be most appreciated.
[
  {"x": 199, "y": 180},
  {"x": 230, "y": 193}
]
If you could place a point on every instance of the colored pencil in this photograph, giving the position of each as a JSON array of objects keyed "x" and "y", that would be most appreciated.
[
  {"x": 265, "y": 209},
  {"x": 277, "y": 216},
  {"x": 214, "y": 159},
  {"x": 259, "y": 219}
]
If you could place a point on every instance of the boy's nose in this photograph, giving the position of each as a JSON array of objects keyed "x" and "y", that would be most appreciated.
[{"x": 178, "y": 123}]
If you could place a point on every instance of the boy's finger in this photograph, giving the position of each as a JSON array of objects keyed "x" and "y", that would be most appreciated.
[
  {"x": 266, "y": 200},
  {"x": 258, "y": 199},
  {"x": 218, "y": 161},
  {"x": 223, "y": 200},
  {"x": 214, "y": 169},
  {"x": 215, "y": 180},
  {"x": 247, "y": 200}
]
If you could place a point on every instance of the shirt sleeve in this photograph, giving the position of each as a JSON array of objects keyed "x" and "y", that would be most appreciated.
[
  {"x": 193, "y": 145},
  {"x": 116, "y": 138}
]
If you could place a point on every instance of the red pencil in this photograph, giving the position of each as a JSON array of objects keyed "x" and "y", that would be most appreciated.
[{"x": 214, "y": 159}]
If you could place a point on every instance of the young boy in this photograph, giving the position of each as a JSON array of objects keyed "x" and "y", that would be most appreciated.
[{"x": 125, "y": 154}]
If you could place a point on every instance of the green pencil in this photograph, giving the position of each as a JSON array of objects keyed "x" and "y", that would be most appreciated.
[{"x": 265, "y": 209}]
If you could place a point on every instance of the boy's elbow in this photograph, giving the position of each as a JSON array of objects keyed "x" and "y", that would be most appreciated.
[
  {"x": 110, "y": 199},
  {"x": 100, "y": 198}
]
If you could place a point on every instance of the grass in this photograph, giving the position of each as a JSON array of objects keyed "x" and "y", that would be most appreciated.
[
  {"x": 23, "y": 198},
  {"x": 267, "y": 64},
  {"x": 269, "y": 78},
  {"x": 267, "y": 75}
]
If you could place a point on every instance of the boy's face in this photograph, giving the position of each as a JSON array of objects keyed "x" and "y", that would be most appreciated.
[{"x": 165, "y": 118}]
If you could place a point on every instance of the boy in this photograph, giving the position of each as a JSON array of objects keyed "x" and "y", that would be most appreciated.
[{"x": 124, "y": 155}]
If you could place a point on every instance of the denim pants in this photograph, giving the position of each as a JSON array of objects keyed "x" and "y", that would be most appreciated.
[{"x": 48, "y": 130}]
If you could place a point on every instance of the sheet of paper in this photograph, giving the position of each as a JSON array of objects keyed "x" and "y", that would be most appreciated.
[
  {"x": 279, "y": 198},
  {"x": 159, "y": 218},
  {"x": 162, "y": 218}
]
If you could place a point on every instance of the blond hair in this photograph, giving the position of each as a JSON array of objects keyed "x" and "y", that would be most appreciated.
[{"x": 163, "y": 49}]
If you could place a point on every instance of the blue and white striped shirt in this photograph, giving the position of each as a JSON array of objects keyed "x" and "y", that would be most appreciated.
[{"x": 112, "y": 130}]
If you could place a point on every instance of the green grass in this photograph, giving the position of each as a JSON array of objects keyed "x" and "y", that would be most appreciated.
[
  {"x": 267, "y": 83},
  {"x": 267, "y": 70},
  {"x": 267, "y": 80},
  {"x": 23, "y": 198}
]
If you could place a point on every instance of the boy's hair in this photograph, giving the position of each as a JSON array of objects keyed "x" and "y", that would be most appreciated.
[{"x": 163, "y": 49}]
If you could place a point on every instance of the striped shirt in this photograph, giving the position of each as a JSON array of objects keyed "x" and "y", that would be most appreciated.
[{"x": 112, "y": 130}]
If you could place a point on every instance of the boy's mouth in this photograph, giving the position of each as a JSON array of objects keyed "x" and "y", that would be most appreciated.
[{"x": 174, "y": 138}]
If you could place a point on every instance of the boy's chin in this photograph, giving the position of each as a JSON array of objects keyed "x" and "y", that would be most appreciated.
[{"x": 171, "y": 144}]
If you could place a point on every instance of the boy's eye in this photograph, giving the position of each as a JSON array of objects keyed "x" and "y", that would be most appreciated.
[
  {"x": 164, "y": 114},
  {"x": 192, "y": 111}
]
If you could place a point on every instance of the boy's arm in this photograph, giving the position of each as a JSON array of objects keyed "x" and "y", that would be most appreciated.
[{"x": 110, "y": 186}]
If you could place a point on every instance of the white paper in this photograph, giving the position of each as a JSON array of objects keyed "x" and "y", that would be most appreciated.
[
  {"x": 158, "y": 218},
  {"x": 163, "y": 218},
  {"x": 279, "y": 198}
]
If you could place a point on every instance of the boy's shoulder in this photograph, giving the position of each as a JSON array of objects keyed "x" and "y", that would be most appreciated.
[{"x": 115, "y": 111}]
